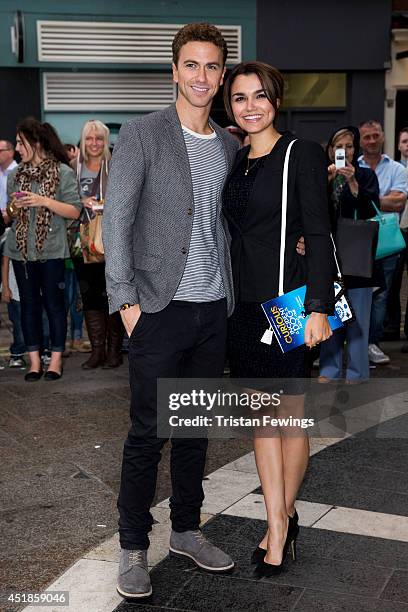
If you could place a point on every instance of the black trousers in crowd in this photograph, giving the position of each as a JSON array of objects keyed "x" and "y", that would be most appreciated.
[
  {"x": 393, "y": 319},
  {"x": 92, "y": 284},
  {"x": 185, "y": 340}
]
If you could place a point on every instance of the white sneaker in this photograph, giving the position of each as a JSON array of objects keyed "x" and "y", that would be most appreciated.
[
  {"x": 376, "y": 355},
  {"x": 17, "y": 362},
  {"x": 46, "y": 358}
]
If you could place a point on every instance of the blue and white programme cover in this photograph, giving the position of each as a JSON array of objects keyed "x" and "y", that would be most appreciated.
[{"x": 286, "y": 316}]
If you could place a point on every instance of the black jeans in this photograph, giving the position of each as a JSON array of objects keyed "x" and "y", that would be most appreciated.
[
  {"x": 393, "y": 319},
  {"x": 42, "y": 283},
  {"x": 92, "y": 284},
  {"x": 185, "y": 340}
]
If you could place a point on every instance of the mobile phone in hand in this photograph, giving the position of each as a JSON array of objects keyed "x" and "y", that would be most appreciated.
[
  {"x": 97, "y": 206},
  {"x": 340, "y": 158}
]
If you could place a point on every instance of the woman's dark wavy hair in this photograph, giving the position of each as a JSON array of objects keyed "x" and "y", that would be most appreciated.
[
  {"x": 43, "y": 134},
  {"x": 271, "y": 80}
]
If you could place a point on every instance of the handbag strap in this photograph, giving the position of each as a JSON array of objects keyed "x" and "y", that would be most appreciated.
[
  {"x": 335, "y": 257},
  {"x": 377, "y": 210},
  {"x": 283, "y": 222},
  {"x": 284, "y": 215}
]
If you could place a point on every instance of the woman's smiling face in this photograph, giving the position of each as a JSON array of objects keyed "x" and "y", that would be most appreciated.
[
  {"x": 94, "y": 143},
  {"x": 252, "y": 110}
]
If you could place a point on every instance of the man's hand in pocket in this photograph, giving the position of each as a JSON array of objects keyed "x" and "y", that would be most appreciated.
[{"x": 130, "y": 317}]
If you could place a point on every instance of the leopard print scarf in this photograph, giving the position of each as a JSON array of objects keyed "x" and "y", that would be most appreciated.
[{"x": 46, "y": 174}]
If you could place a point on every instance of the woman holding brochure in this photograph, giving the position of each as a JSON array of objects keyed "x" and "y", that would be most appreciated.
[{"x": 252, "y": 206}]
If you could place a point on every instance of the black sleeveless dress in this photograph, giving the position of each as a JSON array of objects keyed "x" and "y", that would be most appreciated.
[{"x": 248, "y": 356}]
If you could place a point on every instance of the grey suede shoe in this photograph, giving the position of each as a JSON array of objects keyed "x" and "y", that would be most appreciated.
[
  {"x": 133, "y": 578},
  {"x": 194, "y": 545}
]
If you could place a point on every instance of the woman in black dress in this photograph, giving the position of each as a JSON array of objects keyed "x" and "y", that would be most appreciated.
[
  {"x": 252, "y": 207},
  {"x": 352, "y": 190}
]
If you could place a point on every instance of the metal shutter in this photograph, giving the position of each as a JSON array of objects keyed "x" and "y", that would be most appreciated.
[{"x": 108, "y": 91}]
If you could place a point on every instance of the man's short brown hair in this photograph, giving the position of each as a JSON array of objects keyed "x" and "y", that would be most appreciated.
[
  {"x": 202, "y": 32},
  {"x": 369, "y": 123},
  {"x": 9, "y": 145},
  {"x": 271, "y": 80}
]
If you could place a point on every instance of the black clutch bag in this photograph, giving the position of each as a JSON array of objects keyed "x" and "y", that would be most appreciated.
[{"x": 356, "y": 244}]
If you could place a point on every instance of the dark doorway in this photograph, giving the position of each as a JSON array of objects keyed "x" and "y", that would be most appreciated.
[
  {"x": 23, "y": 98},
  {"x": 315, "y": 125}
]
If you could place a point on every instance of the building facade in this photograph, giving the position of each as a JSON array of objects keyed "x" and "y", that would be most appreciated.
[
  {"x": 334, "y": 56},
  {"x": 68, "y": 62}
]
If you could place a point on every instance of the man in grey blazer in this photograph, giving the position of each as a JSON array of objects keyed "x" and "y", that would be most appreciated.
[{"x": 168, "y": 273}]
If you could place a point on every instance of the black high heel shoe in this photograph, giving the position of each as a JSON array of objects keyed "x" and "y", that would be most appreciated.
[
  {"x": 259, "y": 553},
  {"x": 268, "y": 569},
  {"x": 294, "y": 525}
]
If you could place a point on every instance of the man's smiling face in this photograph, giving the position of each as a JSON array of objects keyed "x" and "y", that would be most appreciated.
[{"x": 199, "y": 73}]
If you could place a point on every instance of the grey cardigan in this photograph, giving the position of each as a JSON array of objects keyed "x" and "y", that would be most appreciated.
[{"x": 148, "y": 213}]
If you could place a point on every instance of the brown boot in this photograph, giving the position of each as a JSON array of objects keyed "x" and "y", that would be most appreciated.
[
  {"x": 96, "y": 326},
  {"x": 115, "y": 338}
]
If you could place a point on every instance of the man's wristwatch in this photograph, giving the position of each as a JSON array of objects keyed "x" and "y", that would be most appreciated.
[{"x": 126, "y": 306}]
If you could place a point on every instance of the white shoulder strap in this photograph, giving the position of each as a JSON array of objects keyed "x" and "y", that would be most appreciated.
[
  {"x": 335, "y": 257},
  {"x": 284, "y": 215}
]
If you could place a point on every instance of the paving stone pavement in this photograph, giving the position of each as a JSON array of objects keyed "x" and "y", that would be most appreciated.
[
  {"x": 347, "y": 560},
  {"x": 60, "y": 454},
  {"x": 352, "y": 555},
  {"x": 60, "y": 451}
]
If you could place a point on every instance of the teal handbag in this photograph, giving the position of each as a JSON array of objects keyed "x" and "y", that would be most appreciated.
[{"x": 390, "y": 238}]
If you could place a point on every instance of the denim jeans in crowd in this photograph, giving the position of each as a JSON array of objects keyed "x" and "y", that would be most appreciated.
[
  {"x": 71, "y": 301},
  {"x": 41, "y": 283},
  {"x": 46, "y": 333},
  {"x": 356, "y": 336},
  {"x": 17, "y": 347},
  {"x": 379, "y": 306}
]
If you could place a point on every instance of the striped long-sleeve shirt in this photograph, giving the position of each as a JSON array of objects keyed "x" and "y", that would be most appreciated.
[{"x": 201, "y": 280}]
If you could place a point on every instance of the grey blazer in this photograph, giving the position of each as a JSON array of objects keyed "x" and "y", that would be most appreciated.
[{"x": 148, "y": 213}]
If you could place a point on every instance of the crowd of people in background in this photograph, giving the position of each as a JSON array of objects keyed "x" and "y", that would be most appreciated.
[
  {"x": 49, "y": 276},
  {"x": 44, "y": 200},
  {"x": 280, "y": 206}
]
